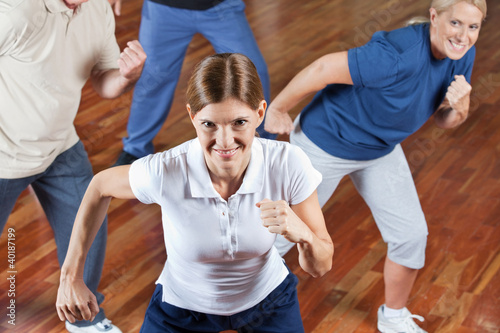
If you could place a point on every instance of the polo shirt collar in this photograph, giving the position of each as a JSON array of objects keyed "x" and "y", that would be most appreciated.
[
  {"x": 199, "y": 180},
  {"x": 56, "y": 6}
]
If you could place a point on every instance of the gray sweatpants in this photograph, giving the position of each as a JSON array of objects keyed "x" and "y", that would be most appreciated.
[{"x": 386, "y": 185}]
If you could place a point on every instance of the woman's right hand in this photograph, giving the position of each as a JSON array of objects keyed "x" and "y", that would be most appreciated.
[
  {"x": 278, "y": 122},
  {"x": 75, "y": 301}
]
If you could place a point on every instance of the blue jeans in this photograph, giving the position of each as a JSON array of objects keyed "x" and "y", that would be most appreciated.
[
  {"x": 60, "y": 190},
  {"x": 165, "y": 34},
  {"x": 279, "y": 312}
]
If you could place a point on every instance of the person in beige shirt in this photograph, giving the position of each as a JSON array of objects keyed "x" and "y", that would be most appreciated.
[{"x": 48, "y": 51}]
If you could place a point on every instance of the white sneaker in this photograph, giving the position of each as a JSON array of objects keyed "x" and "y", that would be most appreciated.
[
  {"x": 102, "y": 326},
  {"x": 403, "y": 324}
]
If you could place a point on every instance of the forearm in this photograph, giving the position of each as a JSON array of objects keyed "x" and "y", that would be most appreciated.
[
  {"x": 455, "y": 107},
  {"x": 315, "y": 256},
  {"x": 329, "y": 69},
  {"x": 447, "y": 117},
  {"x": 88, "y": 221},
  {"x": 314, "y": 243},
  {"x": 74, "y": 299},
  {"x": 297, "y": 89},
  {"x": 303, "y": 224},
  {"x": 111, "y": 84}
]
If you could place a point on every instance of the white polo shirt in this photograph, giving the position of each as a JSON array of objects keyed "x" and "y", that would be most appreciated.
[
  {"x": 221, "y": 260},
  {"x": 47, "y": 53}
]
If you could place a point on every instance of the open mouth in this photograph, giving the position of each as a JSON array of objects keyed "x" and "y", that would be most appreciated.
[
  {"x": 457, "y": 47},
  {"x": 226, "y": 153}
]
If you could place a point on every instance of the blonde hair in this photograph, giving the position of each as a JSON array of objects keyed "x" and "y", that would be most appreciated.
[
  {"x": 417, "y": 20},
  {"x": 443, "y": 5}
]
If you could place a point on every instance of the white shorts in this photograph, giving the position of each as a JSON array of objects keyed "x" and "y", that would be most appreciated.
[{"x": 386, "y": 185}]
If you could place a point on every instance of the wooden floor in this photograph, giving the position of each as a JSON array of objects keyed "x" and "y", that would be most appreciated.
[{"x": 457, "y": 175}]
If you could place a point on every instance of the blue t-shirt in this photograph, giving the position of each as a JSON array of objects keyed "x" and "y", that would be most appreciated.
[{"x": 398, "y": 85}]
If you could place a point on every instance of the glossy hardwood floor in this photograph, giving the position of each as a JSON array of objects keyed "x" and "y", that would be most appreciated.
[{"x": 456, "y": 171}]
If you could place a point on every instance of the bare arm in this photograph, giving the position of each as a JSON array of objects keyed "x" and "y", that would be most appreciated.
[
  {"x": 74, "y": 299},
  {"x": 303, "y": 224},
  {"x": 329, "y": 69},
  {"x": 455, "y": 107},
  {"x": 114, "y": 82},
  {"x": 117, "y": 4}
]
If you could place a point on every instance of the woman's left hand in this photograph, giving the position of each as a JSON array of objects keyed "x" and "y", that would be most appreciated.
[
  {"x": 455, "y": 107},
  {"x": 458, "y": 94},
  {"x": 279, "y": 218}
]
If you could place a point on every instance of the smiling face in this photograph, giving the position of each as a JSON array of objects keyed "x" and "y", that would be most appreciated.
[
  {"x": 455, "y": 30},
  {"x": 226, "y": 131}
]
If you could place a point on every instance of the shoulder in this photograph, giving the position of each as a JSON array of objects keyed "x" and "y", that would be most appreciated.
[
  {"x": 274, "y": 148},
  {"x": 20, "y": 13},
  {"x": 282, "y": 154},
  {"x": 405, "y": 39},
  {"x": 99, "y": 12},
  {"x": 400, "y": 52},
  {"x": 392, "y": 46},
  {"x": 178, "y": 151},
  {"x": 386, "y": 57},
  {"x": 289, "y": 168},
  {"x": 20, "y": 20},
  {"x": 157, "y": 164},
  {"x": 148, "y": 175},
  {"x": 97, "y": 5},
  {"x": 6, "y": 6},
  {"x": 14, "y": 6},
  {"x": 396, "y": 42},
  {"x": 174, "y": 155}
]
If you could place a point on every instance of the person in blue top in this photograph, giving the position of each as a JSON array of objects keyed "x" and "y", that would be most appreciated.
[{"x": 369, "y": 99}]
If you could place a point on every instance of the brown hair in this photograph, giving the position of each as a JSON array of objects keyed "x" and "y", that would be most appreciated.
[
  {"x": 222, "y": 76},
  {"x": 442, "y": 5}
]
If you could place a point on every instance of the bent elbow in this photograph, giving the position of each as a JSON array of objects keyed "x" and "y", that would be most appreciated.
[
  {"x": 319, "y": 273},
  {"x": 448, "y": 123},
  {"x": 325, "y": 265}
]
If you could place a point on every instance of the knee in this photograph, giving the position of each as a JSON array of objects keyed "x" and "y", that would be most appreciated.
[{"x": 409, "y": 252}]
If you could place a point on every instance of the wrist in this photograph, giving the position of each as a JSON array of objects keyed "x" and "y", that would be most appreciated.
[
  {"x": 73, "y": 271},
  {"x": 70, "y": 273},
  {"x": 307, "y": 240},
  {"x": 281, "y": 109}
]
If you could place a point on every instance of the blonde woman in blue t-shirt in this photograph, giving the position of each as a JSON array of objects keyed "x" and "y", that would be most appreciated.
[{"x": 369, "y": 100}]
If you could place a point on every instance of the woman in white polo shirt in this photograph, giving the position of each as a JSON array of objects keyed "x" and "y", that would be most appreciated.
[{"x": 224, "y": 197}]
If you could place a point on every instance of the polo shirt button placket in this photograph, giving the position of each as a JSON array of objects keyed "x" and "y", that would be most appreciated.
[
  {"x": 233, "y": 203},
  {"x": 225, "y": 229},
  {"x": 68, "y": 15}
]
